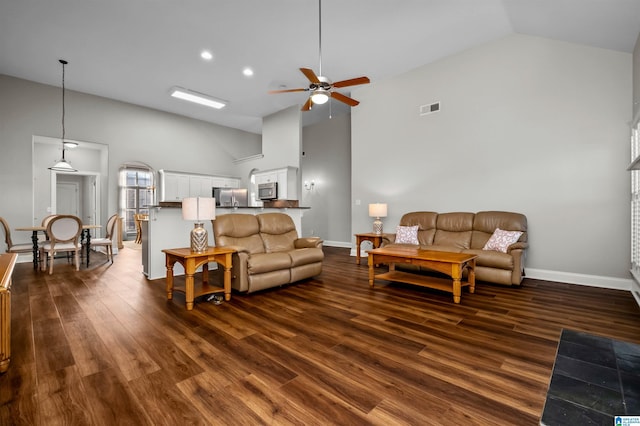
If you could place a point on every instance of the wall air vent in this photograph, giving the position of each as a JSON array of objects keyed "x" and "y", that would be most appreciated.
[{"x": 430, "y": 108}]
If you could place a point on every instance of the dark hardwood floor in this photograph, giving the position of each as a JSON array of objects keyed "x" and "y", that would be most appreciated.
[{"x": 103, "y": 346}]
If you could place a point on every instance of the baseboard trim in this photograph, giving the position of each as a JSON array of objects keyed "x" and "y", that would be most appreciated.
[
  {"x": 337, "y": 244},
  {"x": 580, "y": 279}
]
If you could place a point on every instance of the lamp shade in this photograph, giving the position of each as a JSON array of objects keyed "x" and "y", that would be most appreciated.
[
  {"x": 378, "y": 210},
  {"x": 199, "y": 208}
]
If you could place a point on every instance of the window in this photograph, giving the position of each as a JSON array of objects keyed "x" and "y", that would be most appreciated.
[
  {"x": 635, "y": 200},
  {"x": 137, "y": 190}
]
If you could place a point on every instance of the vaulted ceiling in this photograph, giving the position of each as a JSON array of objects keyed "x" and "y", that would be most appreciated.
[{"x": 136, "y": 50}]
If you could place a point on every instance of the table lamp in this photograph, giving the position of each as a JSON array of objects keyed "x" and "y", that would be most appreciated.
[
  {"x": 377, "y": 210},
  {"x": 199, "y": 209}
]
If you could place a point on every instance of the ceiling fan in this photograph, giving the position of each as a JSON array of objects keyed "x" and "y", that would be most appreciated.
[{"x": 321, "y": 87}]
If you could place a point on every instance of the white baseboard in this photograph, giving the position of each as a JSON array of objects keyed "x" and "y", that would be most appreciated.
[
  {"x": 581, "y": 279},
  {"x": 337, "y": 244}
]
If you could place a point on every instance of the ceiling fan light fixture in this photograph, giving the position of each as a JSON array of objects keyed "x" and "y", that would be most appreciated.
[
  {"x": 320, "y": 96},
  {"x": 198, "y": 98}
]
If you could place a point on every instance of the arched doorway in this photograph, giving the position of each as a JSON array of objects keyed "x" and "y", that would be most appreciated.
[{"x": 136, "y": 192}]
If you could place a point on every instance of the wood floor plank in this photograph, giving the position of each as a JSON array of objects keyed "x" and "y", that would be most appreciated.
[
  {"x": 103, "y": 345},
  {"x": 62, "y": 398},
  {"x": 130, "y": 357},
  {"x": 111, "y": 401},
  {"x": 163, "y": 402}
]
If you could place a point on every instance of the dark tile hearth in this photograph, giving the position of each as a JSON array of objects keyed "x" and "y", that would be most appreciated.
[{"x": 594, "y": 380}]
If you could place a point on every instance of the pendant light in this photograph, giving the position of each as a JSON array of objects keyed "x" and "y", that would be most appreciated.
[{"x": 63, "y": 165}]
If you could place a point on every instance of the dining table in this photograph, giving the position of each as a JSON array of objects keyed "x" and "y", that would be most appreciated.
[{"x": 85, "y": 239}]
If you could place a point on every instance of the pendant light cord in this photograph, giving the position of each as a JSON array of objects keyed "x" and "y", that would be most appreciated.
[{"x": 63, "y": 62}]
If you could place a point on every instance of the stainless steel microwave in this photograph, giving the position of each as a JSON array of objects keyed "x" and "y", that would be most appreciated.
[{"x": 268, "y": 191}]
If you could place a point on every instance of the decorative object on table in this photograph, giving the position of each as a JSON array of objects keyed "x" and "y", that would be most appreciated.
[
  {"x": 63, "y": 165},
  {"x": 377, "y": 210},
  {"x": 199, "y": 209},
  {"x": 320, "y": 87}
]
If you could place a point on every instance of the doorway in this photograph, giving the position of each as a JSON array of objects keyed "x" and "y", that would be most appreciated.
[
  {"x": 68, "y": 198},
  {"x": 77, "y": 192}
]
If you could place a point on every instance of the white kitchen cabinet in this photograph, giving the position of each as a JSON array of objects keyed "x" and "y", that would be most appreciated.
[
  {"x": 287, "y": 179},
  {"x": 200, "y": 186},
  {"x": 175, "y": 186},
  {"x": 225, "y": 182}
]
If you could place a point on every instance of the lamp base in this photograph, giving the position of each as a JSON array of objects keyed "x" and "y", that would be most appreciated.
[
  {"x": 199, "y": 239},
  {"x": 377, "y": 226}
]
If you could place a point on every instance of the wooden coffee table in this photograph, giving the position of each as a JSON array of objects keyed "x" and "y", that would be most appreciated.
[{"x": 452, "y": 264}]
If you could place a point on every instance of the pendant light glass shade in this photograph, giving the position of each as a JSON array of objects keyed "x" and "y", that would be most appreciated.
[{"x": 63, "y": 165}]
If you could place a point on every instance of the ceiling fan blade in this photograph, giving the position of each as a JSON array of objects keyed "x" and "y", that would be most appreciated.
[
  {"x": 351, "y": 82},
  {"x": 342, "y": 98},
  {"x": 310, "y": 75},
  {"x": 289, "y": 90},
  {"x": 307, "y": 105}
]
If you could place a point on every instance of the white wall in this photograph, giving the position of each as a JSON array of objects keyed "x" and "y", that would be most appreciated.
[
  {"x": 327, "y": 161},
  {"x": 528, "y": 125},
  {"x": 281, "y": 142},
  {"x": 132, "y": 133}
]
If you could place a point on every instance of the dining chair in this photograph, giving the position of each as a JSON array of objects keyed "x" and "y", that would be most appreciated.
[
  {"x": 138, "y": 218},
  {"x": 107, "y": 241},
  {"x": 64, "y": 236},
  {"x": 14, "y": 248},
  {"x": 44, "y": 223}
]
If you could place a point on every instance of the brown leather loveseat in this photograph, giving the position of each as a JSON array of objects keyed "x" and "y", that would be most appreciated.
[
  {"x": 469, "y": 233},
  {"x": 269, "y": 252}
]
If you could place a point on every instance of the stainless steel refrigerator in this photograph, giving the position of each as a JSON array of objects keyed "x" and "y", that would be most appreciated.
[{"x": 226, "y": 197}]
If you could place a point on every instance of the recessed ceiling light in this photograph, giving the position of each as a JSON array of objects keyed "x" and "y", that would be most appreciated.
[
  {"x": 206, "y": 55},
  {"x": 199, "y": 98},
  {"x": 248, "y": 72}
]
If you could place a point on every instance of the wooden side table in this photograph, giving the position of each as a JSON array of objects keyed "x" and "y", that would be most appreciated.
[
  {"x": 376, "y": 241},
  {"x": 190, "y": 262}
]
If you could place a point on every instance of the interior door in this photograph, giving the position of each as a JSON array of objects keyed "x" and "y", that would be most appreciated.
[{"x": 67, "y": 198}]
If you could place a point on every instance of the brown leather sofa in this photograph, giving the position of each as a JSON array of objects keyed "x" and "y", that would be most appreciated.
[
  {"x": 269, "y": 252},
  {"x": 468, "y": 233}
]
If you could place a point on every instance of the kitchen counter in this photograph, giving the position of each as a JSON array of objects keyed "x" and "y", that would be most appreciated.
[{"x": 274, "y": 205}]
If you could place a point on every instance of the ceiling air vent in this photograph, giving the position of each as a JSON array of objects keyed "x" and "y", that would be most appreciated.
[{"x": 430, "y": 108}]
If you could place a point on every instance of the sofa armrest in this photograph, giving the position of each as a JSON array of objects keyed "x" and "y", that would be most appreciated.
[
  {"x": 388, "y": 238},
  {"x": 239, "y": 249},
  {"x": 517, "y": 246},
  {"x": 308, "y": 242}
]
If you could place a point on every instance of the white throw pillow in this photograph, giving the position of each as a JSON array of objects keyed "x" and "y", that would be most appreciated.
[
  {"x": 501, "y": 240},
  {"x": 407, "y": 235}
]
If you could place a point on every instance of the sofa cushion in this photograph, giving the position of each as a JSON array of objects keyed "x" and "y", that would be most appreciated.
[
  {"x": 454, "y": 229},
  {"x": 305, "y": 256},
  {"x": 266, "y": 262},
  {"x": 240, "y": 230},
  {"x": 407, "y": 235},
  {"x": 426, "y": 222},
  {"x": 492, "y": 259},
  {"x": 278, "y": 232},
  {"x": 501, "y": 240},
  {"x": 486, "y": 222}
]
